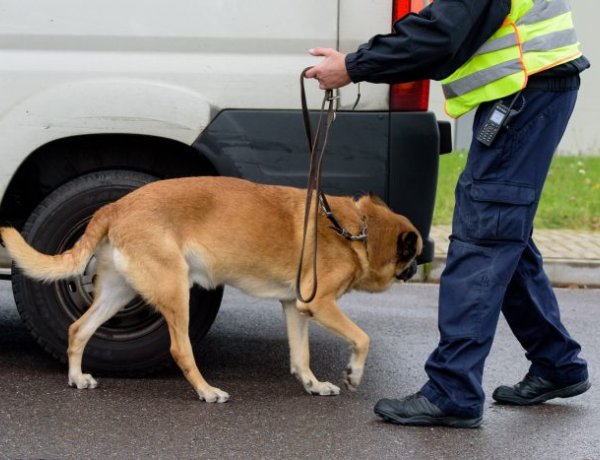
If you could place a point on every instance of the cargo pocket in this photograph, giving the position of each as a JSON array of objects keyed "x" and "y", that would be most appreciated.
[{"x": 501, "y": 211}]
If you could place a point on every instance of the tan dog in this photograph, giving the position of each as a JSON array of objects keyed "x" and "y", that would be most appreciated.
[{"x": 163, "y": 237}]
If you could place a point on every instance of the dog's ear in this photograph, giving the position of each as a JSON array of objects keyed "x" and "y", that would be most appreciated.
[
  {"x": 407, "y": 246},
  {"x": 377, "y": 200},
  {"x": 371, "y": 197}
]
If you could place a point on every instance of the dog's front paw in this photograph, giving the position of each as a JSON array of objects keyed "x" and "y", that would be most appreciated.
[
  {"x": 352, "y": 378},
  {"x": 213, "y": 394},
  {"x": 322, "y": 388},
  {"x": 82, "y": 381}
]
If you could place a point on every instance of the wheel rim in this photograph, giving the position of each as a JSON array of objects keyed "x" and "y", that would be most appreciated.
[{"x": 134, "y": 320}]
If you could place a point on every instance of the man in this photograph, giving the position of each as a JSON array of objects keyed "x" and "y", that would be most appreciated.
[{"x": 525, "y": 54}]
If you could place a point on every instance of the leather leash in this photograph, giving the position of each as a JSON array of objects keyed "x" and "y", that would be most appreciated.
[{"x": 316, "y": 147}]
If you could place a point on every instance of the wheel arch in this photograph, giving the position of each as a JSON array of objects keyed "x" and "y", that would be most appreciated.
[{"x": 62, "y": 160}]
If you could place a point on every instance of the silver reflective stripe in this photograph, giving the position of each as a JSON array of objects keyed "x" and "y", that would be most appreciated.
[
  {"x": 544, "y": 9},
  {"x": 498, "y": 44},
  {"x": 551, "y": 41},
  {"x": 481, "y": 78}
]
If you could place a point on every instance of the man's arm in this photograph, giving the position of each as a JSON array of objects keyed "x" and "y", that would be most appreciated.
[{"x": 431, "y": 44}]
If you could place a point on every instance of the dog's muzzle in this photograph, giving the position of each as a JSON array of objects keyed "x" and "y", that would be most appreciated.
[{"x": 408, "y": 272}]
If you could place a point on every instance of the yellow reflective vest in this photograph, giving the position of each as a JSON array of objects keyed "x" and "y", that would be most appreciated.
[{"x": 535, "y": 36}]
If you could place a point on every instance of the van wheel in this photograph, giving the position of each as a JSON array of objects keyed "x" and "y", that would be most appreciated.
[{"x": 134, "y": 341}]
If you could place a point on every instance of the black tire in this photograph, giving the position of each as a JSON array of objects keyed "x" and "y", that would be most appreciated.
[{"x": 136, "y": 340}]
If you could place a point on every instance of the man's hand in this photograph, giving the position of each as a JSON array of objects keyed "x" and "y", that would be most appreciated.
[{"x": 331, "y": 71}]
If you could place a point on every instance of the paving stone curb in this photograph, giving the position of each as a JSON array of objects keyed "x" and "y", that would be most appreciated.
[{"x": 571, "y": 258}]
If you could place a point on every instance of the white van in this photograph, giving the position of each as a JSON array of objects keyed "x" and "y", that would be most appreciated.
[{"x": 99, "y": 98}]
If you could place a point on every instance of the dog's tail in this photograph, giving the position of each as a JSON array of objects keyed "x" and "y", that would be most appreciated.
[{"x": 52, "y": 268}]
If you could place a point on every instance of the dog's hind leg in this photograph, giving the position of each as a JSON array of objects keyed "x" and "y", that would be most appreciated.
[
  {"x": 112, "y": 293},
  {"x": 297, "y": 328},
  {"x": 177, "y": 316},
  {"x": 162, "y": 278}
]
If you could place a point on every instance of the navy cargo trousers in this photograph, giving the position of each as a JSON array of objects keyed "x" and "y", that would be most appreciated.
[{"x": 493, "y": 264}]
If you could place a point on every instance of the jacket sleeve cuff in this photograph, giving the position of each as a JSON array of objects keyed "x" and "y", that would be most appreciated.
[{"x": 353, "y": 68}]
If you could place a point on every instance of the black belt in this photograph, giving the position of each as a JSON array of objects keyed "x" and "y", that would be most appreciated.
[{"x": 554, "y": 83}]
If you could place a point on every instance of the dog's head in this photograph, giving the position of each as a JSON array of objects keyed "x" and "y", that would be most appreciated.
[{"x": 393, "y": 244}]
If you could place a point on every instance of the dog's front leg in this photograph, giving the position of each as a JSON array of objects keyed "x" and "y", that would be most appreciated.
[
  {"x": 297, "y": 327},
  {"x": 326, "y": 313}
]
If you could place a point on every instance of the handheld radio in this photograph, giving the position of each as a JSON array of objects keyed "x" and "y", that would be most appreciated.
[{"x": 497, "y": 118}]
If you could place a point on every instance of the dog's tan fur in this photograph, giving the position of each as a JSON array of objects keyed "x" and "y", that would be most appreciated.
[{"x": 160, "y": 239}]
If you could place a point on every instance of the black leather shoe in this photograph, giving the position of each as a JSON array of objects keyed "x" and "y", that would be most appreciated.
[
  {"x": 536, "y": 390},
  {"x": 417, "y": 410}
]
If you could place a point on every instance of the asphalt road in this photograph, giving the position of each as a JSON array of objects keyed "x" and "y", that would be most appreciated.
[{"x": 269, "y": 416}]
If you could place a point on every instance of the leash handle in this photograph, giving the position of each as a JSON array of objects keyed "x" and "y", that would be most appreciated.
[{"x": 314, "y": 181}]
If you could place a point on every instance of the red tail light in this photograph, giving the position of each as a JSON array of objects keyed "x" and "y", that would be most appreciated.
[
  {"x": 408, "y": 97},
  {"x": 413, "y": 96},
  {"x": 402, "y": 7}
]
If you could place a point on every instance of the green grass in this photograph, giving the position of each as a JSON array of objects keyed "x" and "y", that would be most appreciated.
[{"x": 570, "y": 200}]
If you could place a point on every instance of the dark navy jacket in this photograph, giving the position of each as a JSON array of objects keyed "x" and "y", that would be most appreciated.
[{"x": 435, "y": 42}]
